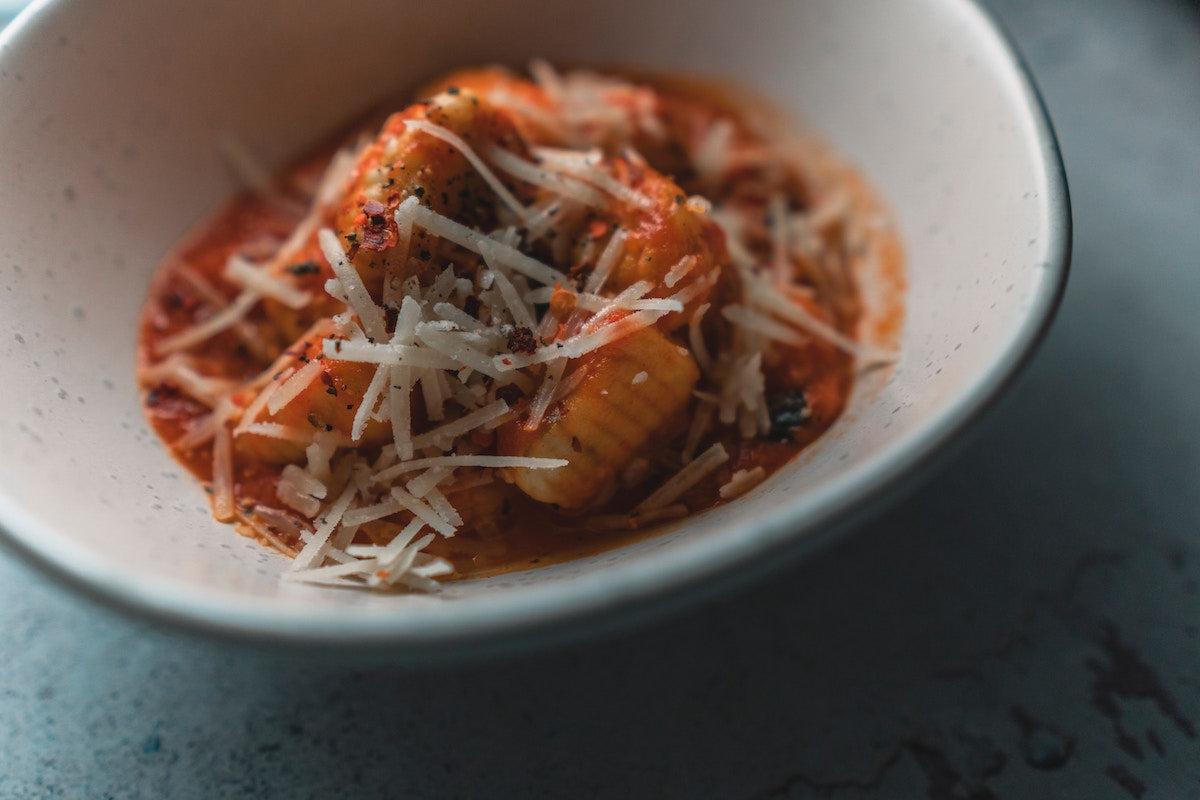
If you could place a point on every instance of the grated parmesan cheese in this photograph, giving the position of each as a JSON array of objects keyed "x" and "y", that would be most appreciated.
[
  {"x": 260, "y": 281},
  {"x": 456, "y": 141},
  {"x": 605, "y": 264},
  {"x": 448, "y": 432},
  {"x": 679, "y": 271},
  {"x": 326, "y": 524},
  {"x": 370, "y": 399},
  {"x": 224, "y": 319},
  {"x": 223, "y": 502},
  {"x": 466, "y": 237},
  {"x": 357, "y": 297},
  {"x": 556, "y": 182},
  {"x": 299, "y": 490},
  {"x": 742, "y": 481},
  {"x": 692, "y": 473},
  {"x": 585, "y": 166},
  {"x": 274, "y": 430},
  {"x": 294, "y": 386},
  {"x": 545, "y": 393}
]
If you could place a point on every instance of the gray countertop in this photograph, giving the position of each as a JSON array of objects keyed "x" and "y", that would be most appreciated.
[{"x": 1023, "y": 626}]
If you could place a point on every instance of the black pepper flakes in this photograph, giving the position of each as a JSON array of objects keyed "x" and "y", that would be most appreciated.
[
  {"x": 787, "y": 412},
  {"x": 471, "y": 306},
  {"x": 522, "y": 340},
  {"x": 304, "y": 268}
]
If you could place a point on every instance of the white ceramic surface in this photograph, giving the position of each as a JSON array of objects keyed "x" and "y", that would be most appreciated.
[{"x": 108, "y": 117}]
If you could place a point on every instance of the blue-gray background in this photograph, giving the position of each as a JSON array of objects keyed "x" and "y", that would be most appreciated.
[{"x": 1023, "y": 626}]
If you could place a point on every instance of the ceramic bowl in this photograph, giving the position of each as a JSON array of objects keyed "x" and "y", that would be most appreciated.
[{"x": 108, "y": 118}]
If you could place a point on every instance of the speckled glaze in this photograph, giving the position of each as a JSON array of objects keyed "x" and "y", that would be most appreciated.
[{"x": 107, "y": 145}]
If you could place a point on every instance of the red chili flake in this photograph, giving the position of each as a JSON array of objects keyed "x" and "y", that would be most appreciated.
[
  {"x": 375, "y": 233},
  {"x": 482, "y": 438},
  {"x": 374, "y": 239},
  {"x": 521, "y": 340}
]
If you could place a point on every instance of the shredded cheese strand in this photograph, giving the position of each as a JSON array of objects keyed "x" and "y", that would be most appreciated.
[
  {"x": 694, "y": 472},
  {"x": 607, "y": 261},
  {"x": 463, "y": 236},
  {"x": 369, "y": 314},
  {"x": 485, "y": 172},
  {"x": 203, "y": 331},
  {"x": 294, "y": 386}
]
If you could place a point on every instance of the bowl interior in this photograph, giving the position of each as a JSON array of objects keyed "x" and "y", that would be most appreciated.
[{"x": 107, "y": 143}]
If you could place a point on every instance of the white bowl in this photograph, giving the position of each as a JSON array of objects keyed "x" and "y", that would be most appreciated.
[{"x": 107, "y": 124}]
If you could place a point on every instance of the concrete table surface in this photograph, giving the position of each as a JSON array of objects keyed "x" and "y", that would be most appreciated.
[{"x": 1023, "y": 626}]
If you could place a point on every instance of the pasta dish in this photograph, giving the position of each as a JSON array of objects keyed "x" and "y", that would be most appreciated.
[{"x": 517, "y": 321}]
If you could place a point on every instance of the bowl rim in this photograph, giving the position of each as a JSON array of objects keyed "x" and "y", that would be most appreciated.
[{"x": 634, "y": 592}]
